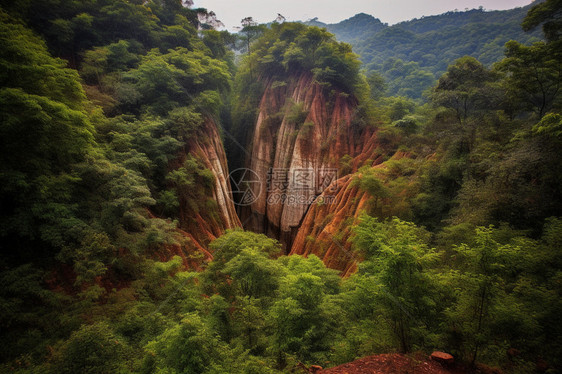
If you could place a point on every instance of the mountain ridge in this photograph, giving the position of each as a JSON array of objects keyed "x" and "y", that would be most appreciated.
[{"x": 421, "y": 49}]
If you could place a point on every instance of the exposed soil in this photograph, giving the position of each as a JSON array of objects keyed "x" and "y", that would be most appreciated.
[{"x": 393, "y": 363}]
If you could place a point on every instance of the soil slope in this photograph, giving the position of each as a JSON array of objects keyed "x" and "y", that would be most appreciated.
[{"x": 393, "y": 363}]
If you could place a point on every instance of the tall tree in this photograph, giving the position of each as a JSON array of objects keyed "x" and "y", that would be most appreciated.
[
  {"x": 465, "y": 88},
  {"x": 396, "y": 260},
  {"x": 549, "y": 14},
  {"x": 533, "y": 75}
]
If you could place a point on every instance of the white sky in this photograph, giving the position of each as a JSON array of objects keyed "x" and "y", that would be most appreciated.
[{"x": 230, "y": 12}]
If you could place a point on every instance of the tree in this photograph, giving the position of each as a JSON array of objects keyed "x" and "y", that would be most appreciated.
[
  {"x": 480, "y": 290},
  {"x": 226, "y": 250},
  {"x": 546, "y": 13},
  {"x": 249, "y": 320},
  {"x": 373, "y": 186},
  {"x": 251, "y": 30},
  {"x": 221, "y": 44},
  {"x": 397, "y": 258},
  {"x": 44, "y": 133},
  {"x": 288, "y": 49},
  {"x": 226, "y": 247},
  {"x": 300, "y": 324},
  {"x": 465, "y": 88},
  {"x": 253, "y": 273},
  {"x": 93, "y": 349},
  {"x": 533, "y": 75},
  {"x": 188, "y": 347},
  {"x": 304, "y": 315},
  {"x": 166, "y": 81}
]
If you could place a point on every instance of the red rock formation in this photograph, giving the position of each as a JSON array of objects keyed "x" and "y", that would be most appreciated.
[
  {"x": 326, "y": 228},
  {"x": 201, "y": 226},
  {"x": 302, "y": 131},
  {"x": 442, "y": 357},
  {"x": 208, "y": 148}
]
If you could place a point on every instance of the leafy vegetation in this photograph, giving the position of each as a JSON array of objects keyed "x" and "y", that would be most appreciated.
[
  {"x": 100, "y": 101},
  {"x": 412, "y": 55},
  {"x": 89, "y": 140},
  {"x": 290, "y": 48}
]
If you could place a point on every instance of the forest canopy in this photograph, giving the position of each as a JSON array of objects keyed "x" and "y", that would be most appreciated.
[{"x": 122, "y": 252}]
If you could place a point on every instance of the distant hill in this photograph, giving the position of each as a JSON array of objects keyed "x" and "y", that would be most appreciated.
[
  {"x": 352, "y": 28},
  {"x": 412, "y": 55}
]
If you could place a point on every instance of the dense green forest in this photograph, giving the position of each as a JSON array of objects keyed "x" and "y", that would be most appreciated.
[
  {"x": 101, "y": 103},
  {"x": 410, "y": 56}
]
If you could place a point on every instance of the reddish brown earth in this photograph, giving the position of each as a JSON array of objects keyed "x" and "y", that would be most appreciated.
[
  {"x": 393, "y": 363},
  {"x": 326, "y": 228},
  {"x": 313, "y": 220},
  {"x": 323, "y": 135},
  {"x": 208, "y": 148},
  {"x": 198, "y": 228}
]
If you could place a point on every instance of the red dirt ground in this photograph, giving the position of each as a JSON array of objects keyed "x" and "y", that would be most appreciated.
[{"x": 393, "y": 363}]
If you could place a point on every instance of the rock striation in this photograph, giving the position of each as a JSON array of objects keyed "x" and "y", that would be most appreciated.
[
  {"x": 302, "y": 132},
  {"x": 200, "y": 226}
]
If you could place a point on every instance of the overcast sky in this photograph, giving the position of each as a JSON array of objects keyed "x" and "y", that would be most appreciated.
[{"x": 230, "y": 12}]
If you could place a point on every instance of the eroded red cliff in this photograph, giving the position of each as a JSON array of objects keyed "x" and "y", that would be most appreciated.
[
  {"x": 205, "y": 215},
  {"x": 302, "y": 132},
  {"x": 207, "y": 147},
  {"x": 326, "y": 230},
  {"x": 308, "y": 151}
]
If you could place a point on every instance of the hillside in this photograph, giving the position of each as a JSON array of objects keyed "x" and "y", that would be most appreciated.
[
  {"x": 176, "y": 199},
  {"x": 352, "y": 29},
  {"x": 412, "y": 55}
]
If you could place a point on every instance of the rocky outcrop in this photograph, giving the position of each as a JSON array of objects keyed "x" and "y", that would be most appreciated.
[
  {"x": 305, "y": 154},
  {"x": 442, "y": 357},
  {"x": 204, "y": 220},
  {"x": 208, "y": 148},
  {"x": 302, "y": 132},
  {"x": 326, "y": 228}
]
